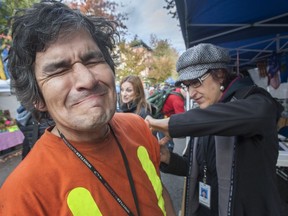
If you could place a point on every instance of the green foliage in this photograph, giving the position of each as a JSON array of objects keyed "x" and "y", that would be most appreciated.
[
  {"x": 105, "y": 8},
  {"x": 131, "y": 60},
  {"x": 162, "y": 64},
  {"x": 7, "y": 10},
  {"x": 155, "y": 63}
]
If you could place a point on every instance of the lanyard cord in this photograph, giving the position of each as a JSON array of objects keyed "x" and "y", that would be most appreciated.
[
  {"x": 100, "y": 177},
  {"x": 192, "y": 154},
  {"x": 205, "y": 145},
  {"x": 128, "y": 170}
]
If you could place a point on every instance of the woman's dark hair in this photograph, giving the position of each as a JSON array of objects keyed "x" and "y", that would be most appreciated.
[
  {"x": 223, "y": 75},
  {"x": 34, "y": 29}
]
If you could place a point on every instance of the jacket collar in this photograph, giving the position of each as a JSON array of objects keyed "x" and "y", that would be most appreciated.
[
  {"x": 129, "y": 107},
  {"x": 235, "y": 85}
]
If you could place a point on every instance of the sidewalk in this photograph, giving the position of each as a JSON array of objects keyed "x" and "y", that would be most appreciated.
[{"x": 8, "y": 162}]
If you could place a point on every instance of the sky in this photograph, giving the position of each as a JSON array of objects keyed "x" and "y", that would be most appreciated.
[{"x": 146, "y": 17}]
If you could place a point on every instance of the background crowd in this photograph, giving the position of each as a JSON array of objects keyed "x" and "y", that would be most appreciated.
[{"x": 96, "y": 136}]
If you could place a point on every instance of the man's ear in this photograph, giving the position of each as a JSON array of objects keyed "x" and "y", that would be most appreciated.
[{"x": 40, "y": 105}]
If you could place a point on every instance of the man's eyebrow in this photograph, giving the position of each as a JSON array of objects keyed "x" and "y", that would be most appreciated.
[
  {"x": 50, "y": 67},
  {"x": 91, "y": 55},
  {"x": 53, "y": 66}
]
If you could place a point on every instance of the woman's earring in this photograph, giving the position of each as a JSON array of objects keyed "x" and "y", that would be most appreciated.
[{"x": 222, "y": 88}]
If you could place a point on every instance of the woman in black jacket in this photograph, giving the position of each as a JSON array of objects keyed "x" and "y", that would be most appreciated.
[
  {"x": 132, "y": 97},
  {"x": 242, "y": 118}
]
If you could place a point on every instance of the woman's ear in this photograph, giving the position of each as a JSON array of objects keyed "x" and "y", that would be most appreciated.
[
  {"x": 220, "y": 76},
  {"x": 40, "y": 105}
]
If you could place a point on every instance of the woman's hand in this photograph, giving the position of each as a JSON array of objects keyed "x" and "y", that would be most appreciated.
[
  {"x": 164, "y": 151},
  {"x": 161, "y": 125},
  {"x": 158, "y": 124}
]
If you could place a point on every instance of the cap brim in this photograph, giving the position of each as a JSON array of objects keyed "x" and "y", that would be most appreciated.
[
  {"x": 187, "y": 74},
  {"x": 195, "y": 71}
]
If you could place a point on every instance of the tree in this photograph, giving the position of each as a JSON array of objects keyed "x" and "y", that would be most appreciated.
[
  {"x": 153, "y": 63},
  {"x": 102, "y": 8},
  {"x": 163, "y": 61},
  {"x": 7, "y": 10},
  {"x": 132, "y": 57}
]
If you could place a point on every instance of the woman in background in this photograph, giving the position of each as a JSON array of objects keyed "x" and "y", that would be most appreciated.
[{"x": 132, "y": 97}]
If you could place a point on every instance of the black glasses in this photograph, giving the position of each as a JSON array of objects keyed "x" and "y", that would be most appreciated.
[{"x": 195, "y": 83}]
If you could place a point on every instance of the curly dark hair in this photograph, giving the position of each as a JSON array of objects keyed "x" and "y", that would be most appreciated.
[
  {"x": 34, "y": 29},
  {"x": 223, "y": 74}
]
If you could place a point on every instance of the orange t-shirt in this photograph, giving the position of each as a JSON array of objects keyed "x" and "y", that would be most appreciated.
[{"x": 52, "y": 180}]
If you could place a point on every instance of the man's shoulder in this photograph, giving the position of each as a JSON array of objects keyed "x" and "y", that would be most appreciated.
[
  {"x": 126, "y": 116},
  {"x": 127, "y": 119},
  {"x": 130, "y": 124}
]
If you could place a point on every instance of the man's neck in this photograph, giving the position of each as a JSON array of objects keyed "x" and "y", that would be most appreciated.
[{"x": 97, "y": 135}]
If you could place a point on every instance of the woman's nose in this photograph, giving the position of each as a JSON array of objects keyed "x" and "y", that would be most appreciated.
[
  {"x": 124, "y": 93},
  {"x": 192, "y": 92}
]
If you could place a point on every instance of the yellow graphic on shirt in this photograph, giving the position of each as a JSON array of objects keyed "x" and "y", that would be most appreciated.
[
  {"x": 81, "y": 203},
  {"x": 150, "y": 170}
]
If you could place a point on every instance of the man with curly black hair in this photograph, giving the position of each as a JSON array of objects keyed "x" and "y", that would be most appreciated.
[{"x": 92, "y": 161}]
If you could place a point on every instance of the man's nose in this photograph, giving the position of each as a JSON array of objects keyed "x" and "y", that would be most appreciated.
[{"x": 85, "y": 78}]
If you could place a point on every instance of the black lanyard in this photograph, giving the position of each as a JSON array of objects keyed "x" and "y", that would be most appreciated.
[
  {"x": 192, "y": 153},
  {"x": 205, "y": 144},
  {"x": 100, "y": 177}
]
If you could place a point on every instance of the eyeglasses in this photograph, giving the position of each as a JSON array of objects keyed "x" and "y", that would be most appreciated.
[{"x": 195, "y": 83}]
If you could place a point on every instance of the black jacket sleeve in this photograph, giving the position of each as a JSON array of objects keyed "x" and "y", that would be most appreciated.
[
  {"x": 178, "y": 164},
  {"x": 247, "y": 117}
]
